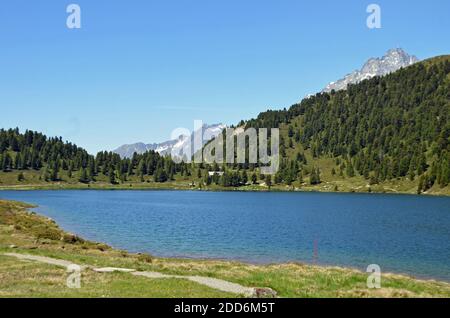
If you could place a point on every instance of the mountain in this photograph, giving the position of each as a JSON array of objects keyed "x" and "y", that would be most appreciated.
[
  {"x": 127, "y": 151},
  {"x": 389, "y": 133},
  {"x": 175, "y": 146},
  {"x": 382, "y": 130},
  {"x": 391, "y": 62}
]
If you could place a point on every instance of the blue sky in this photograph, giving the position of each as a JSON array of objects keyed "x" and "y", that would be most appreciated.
[{"x": 136, "y": 70}]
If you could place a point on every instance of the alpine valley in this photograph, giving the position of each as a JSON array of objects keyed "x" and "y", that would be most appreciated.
[{"x": 384, "y": 128}]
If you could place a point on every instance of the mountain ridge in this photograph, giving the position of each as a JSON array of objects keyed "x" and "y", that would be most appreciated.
[
  {"x": 393, "y": 60},
  {"x": 385, "y": 134},
  {"x": 173, "y": 146}
]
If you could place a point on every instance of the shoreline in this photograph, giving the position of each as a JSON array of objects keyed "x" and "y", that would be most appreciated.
[
  {"x": 231, "y": 260},
  {"x": 137, "y": 187},
  {"x": 282, "y": 277},
  {"x": 246, "y": 262},
  {"x": 300, "y": 263}
]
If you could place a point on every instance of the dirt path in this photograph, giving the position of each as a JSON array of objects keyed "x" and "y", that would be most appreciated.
[
  {"x": 215, "y": 283},
  {"x": 40, "y": 259}
]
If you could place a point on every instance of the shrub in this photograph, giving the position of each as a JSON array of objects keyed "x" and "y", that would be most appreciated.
[
  {"x": 72, "y": 238},
  {"x": 145, "y": 258},
  {"x": 20, "y": 177},
  {"x": 102, "y": 247},
  {"x": 48, "y": 233}
]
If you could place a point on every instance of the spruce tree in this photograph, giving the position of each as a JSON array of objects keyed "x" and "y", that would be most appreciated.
[
  {"x": 83, "y": 176},
  {"x": 112, "y": 176},
  {"x": 269, "y": 180},
  {"x": 254, "y": 178}
]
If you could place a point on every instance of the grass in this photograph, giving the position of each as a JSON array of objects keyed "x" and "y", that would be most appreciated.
[
  {"x": 330, "y": 183},
  {"x": 30, "y": 279},
  {"x": 37, "y": 235}
]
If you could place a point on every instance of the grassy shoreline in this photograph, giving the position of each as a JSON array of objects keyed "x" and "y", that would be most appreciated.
[
  {"x": 22, "y": 231},
  {"x": 185, "y": 187},
  {"x": 330, "y": 184}
]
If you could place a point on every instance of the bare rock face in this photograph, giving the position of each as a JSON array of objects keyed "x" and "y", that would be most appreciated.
[{"x": 391, "y": 62}]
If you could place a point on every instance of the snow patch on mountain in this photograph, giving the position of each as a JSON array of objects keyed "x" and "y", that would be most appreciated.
[
  {"x": 391, "y": 62},
  {"x": 183, "y": 145}
]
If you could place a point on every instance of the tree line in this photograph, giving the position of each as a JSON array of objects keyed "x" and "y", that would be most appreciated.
[
  {"x": 51, "y": 156},
  {"x": 384, "y": 128}
]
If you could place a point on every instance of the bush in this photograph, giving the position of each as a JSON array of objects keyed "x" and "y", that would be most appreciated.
[
  {"x": 373, "y": 180},
  {"x": 20, "y": 177},
  {"x": 72, "y": 238},
  {"x": 145, "y": 258},
  {"x": 48, "y": 233},
  {"x": 102, "y": 247}
]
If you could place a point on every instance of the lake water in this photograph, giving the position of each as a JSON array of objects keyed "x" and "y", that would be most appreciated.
[{"x": 400, "y": 233}]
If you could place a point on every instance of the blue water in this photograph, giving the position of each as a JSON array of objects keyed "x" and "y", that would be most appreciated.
[{"x": 401, "y": 233}]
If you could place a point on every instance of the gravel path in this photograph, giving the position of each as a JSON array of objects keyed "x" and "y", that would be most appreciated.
[
  {"x": 215, "y": 283},
  {"x": 223, "y": 285},
  {"x": 41, "y": 259}
]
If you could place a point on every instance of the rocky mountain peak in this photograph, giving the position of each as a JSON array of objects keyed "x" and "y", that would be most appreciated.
[{"x": 393, "y": 60}]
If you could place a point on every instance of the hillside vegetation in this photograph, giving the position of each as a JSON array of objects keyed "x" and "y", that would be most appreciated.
[
  {"x": 392, "y": 128},
  {"x": 23, "y": 232},
  {"x": 386, "y": 134}
]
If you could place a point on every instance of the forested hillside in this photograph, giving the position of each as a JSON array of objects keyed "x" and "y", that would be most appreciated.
[
  {"x": 53, "y": 158},
  {"x": 397, "y": 126},
  {"x": 386, "y": 133}
]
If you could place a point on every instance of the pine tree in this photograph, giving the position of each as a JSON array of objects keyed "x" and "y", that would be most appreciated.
[
  {"x": 112, "y": 176},
  {"x": 244, "y": 177},
  {"x": 269, "y": 180},
  {"x": 300, "y": 177},
  {"x": 54, "y": 172},
  {"x": 45, "y": 174},
  {"x": 421, "y": 184},
  {"x": 208, "y": 179},
  {"x": 314, "y": 177},
  {"x": 83, "y": 176},
  {"x": 6, "y": 162},
  {"x": 254, "y": 178},
  {"x": 350, "y": 171},
  {"x": 160, "y": 175}
]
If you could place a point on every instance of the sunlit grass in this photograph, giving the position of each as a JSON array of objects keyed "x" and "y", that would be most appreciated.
[{"x": 28, "y": 279}]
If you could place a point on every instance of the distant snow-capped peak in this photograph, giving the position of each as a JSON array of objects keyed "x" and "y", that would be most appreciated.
[
  {"x": 392, "y": 61},
  {"x": 182, "y": 145}
]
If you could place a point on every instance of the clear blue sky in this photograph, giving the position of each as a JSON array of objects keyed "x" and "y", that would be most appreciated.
[{"x": 138, "y": 69}]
